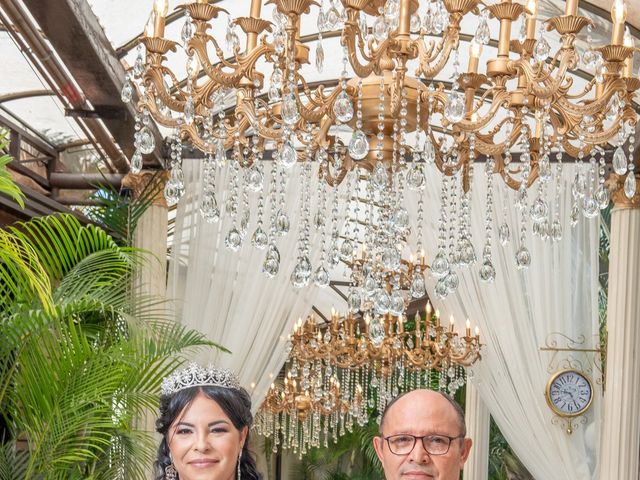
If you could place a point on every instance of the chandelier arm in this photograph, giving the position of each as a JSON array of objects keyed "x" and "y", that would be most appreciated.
[
  {"x": 593, "y": 107},
  {"x": 553, "y": 85},
  {"x": 585, "y": 91},
  {"x": 153, "y": 80},
  {"x": 363, "y": 71},
  {"x": 499, "y": 99},
  {"x": 441, "y": 52},
  {"x": 352, "y": 28},
  {"x": 156, "y": 114},
  {"x": 246, "y": 111}
]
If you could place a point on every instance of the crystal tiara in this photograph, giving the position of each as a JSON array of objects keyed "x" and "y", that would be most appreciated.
[{"x": 196, "y": 376}]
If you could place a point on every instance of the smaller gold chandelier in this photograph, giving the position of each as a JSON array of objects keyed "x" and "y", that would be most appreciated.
[{"x": 338, "y": 370}]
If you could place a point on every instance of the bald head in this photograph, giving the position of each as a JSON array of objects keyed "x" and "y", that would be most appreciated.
[{"x": 421, "y": 397}]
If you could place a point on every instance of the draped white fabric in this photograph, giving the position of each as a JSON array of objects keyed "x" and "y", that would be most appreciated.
[
  {"x": 225, "y": 295},
  {"x": 558, "y": 293}
]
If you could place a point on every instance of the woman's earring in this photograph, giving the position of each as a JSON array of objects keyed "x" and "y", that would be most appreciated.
[
  {"x": 239, "y": 460},
  {"x": 170, "y": 472}
]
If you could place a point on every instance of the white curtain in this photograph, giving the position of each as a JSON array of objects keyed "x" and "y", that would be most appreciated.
[
  {"x": 558, "y": 293},
  {"x": 225, "y": 295}
]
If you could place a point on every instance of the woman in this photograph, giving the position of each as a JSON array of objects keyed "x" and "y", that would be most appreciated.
[{"x": 205, "y": 417}]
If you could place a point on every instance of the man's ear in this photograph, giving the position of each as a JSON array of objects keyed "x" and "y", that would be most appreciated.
[
  {"x": 378, "y": 445},
  {"x": 466, "y": 449}
]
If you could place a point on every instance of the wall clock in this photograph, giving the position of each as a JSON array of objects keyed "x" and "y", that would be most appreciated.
[{"x": 569, "y": 393}]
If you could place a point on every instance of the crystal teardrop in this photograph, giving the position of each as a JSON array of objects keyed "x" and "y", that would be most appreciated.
[
  {"x": 376, "y": 332},
  {"x": 359, "y": 145},
  {"x": 321, "y": 277},
  {"x": 259, "y": 239},
  {"x": 590, "y": 207},
  {"x": 319, "y": 57},
  {"x": 454, "y": 108},
  {"x": 146, "y": 141},
  {"x": 523, "y": 258},
  {"x": 630, "y": 185},
  {"x": 233, "y": 240},
  {"x": 282, "y": 223},
  {"x": 288, "y": 155},
  {"x": 539, "y": 210},
  {"x": 504, "y": 233},
  {"x": 440, "y": 265},
  {"x": 416, "y": 178},
  {"x": 136, "y": 162},
  {"x": 380, "y": 29},
  {"x": 487, "y": 271},
  {"x": 209, "y": 208},
  {"x": 127, "y": 92},
  {"x": 541, "y": 50},
  {"x": 428, "y": 151},
  {"x": 380, "y": 177},
  {"x": 290, "y": 113},
  {"x": 418, "y": 288},
  {"x": 354, "y": 300},
  {"x": 619, "y": 161},
  {"x": 343, "y": 107},
  {"x": 189, "y": 111}
]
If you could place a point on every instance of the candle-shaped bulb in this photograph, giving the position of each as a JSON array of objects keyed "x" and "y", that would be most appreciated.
[
  {"x": 628, "y": 39},
  {"x": 468, "y": 330},
  {"x": 451, "y": 320},
  {"x": 367, "y": 318},
  {"x": 161, "y": 7},
  {"x": 476, "y": 48},
  {"x": 619, "y": 11},
  {"x": 428, "y": 309},
  {"x": 532, "y": 7},
  {"x": 477, "y": 331},
  {"x": 468, "y": 323},
  {"x": 149, "y": 28}
]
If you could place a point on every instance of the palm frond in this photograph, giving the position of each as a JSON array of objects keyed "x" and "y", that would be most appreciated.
[
  {"x": 13, "y": 462},
  {"x": 7, "y": 185}
]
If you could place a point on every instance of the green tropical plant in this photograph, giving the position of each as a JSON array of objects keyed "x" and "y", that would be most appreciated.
[
  {"x": 7, "y": 185},
  {"x": 82, "y": 352}
]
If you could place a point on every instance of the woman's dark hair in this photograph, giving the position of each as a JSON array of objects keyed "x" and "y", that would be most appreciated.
[{"x": 236, "y": 404}]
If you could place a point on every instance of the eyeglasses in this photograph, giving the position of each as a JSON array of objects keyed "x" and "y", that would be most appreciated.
[{"x": 434, "y": 444}]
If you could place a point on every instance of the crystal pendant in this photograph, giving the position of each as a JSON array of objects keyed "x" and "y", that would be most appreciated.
[
  {"x": 541, "y": 50},
  {"x": 288, "y": 155},
  {"x": 319, "y": 220},
  {"x": 380, "y": 29},
  {"x": 391, "y": 258},
  {"x": 346, "y": 249},
  {"x": 354, "y": 300},
  {"x": 376, "y": 332},
  {"x": 441, "y": 289},
  {"x": 483, "y": 34},
  {"x": 544, "y": 168},
  {"x": 301, "y": 275},
  {"x": 400, "y": 221},
  {"x": 322, "y": 155},
  {"x": 259, "y": 239},
  {"x": 271, "y": 264},
  {"x": 544, "y": 229},
  {"x": 555, "y": 231},
  {"x": 416, "y": 178},
  {"x": 630, "y": 185},
  {"x": 289, "y": 112},
  {"x": 578, "y": 186},
  {"x": 209, "y": 208},
  {"x": 189, "y": 111},
  {"x": 146, "y": 141},
  {"x": 523, "y": 258},
  {"x": 440, "y": 265},
  {"x": 415, "y": 23},
  {"x": 233, "y": 240},
  {"x": 282, "y": 223},
  {"x": 254, "y": 179},
  {"x": 359, "y": 145},
  {"x": 127, "y": 92},
  {"x": 332, "y": 19},
  {"x": 138, "y": 66},
  {"x": 590, "y": 207},
  {"x": 619, "y": 161},
  {"x": 319, "y": 57},
  {"x": 452, "y": 281},
  {"x": 343, "y": 108},
  {"x": 428, "y": 151},
  {"x": 487, "y": 271},
  {"x": 418, "y": 288},
  {"x": 467, "y": 252},
  {"x": 334, "y": 255},
  {"x": 504, "y": 234},
  {"x": 274, "y": 93},
  {"x": 381, "y": 301},
  {"x": 187, "y": 30},
  {"x": 370, "y": 285},
  {"x": 539, "y": 210},
  {"x": 589, "y": 59},
  {"x": 575, "y": 212},
  {"x": 221, "y": 154},
  {"x": 454, "y": 108},
  {"x": 396, "y": 306},
  {"x": 171, "y": 193},
  {"x": 380, "y": 177},
  {"x": 136, "y": 162}
]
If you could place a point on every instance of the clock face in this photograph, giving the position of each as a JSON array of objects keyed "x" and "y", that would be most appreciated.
[{"x": 569, "y": 393}]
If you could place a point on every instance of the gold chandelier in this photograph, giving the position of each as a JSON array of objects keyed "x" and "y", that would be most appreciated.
[
  {"x": 520, "y": 113},
  {"x": 336, "y": 371}
]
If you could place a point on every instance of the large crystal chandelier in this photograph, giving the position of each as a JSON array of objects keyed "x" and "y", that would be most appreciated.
[
  {"x": 337, "y": 371},
  {"x": 377, "y": 131}
]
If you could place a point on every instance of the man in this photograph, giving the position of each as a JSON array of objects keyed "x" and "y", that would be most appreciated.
[{"x": 422, "y": 436}]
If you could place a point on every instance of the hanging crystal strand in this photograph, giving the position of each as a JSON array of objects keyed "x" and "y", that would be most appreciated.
[
  {"x": 487, "y": 270},
  {"x": 416, "y": 178},
  {"x": 342, "y": 107},
  {"x": 301, "y": 275},
  {"x": 359, "y": 144},
  {"x": 208, "y": 204},
  {"x": 271, "y": 264},
  {"x": 334, "y": 251},
  {"x": 174, "y": 187},
  {"x": 466, "y": 251},
  {"x": 347, "y": 248},
  {"x": 440, "y": 266},
  {"x": 602, "y": 192},
  {"x": 630, "y": 181},
  {"x": 418, "y": 288},
  {"x": 321, "y": 275},
  {"x": 233, "y": 239},
  {"x": 259, "y": 238},
  {"x": 452, "y": 280},
  {"x": 379, "y": 176}
]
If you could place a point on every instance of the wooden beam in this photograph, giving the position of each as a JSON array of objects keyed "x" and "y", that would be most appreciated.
[{"x": 79, "y": 40}]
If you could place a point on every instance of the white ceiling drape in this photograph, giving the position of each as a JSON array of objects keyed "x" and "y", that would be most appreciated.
[
  {"x": 516, "y": 314},
  {"x": 225, "y": 295}
]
